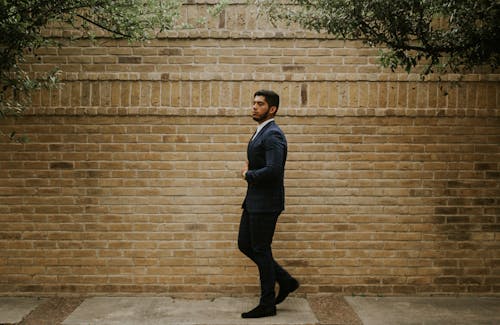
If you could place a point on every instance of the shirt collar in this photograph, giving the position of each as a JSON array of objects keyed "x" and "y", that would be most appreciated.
[{"x": 261, "y": 126}]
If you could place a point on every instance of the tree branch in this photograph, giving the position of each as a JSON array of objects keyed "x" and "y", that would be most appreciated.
[{"x": 102, "y": 26}]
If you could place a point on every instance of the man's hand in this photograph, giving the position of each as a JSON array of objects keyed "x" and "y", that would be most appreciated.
[{"x": 244, "y": 170}]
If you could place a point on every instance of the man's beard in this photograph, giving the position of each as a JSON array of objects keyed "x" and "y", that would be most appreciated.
[{"x": 263, "y": 117}]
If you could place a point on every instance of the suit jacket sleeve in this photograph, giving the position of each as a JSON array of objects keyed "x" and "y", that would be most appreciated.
[{"x": 274, "y": 146}]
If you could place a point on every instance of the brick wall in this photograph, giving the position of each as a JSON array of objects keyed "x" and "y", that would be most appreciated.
[{"x": 130, "y": 181}]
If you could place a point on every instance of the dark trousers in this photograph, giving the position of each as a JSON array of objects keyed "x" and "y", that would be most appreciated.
[{"x": 254, "y": 240}]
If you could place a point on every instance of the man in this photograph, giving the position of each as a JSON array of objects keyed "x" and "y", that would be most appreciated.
[{"x": 265, "y": 200}]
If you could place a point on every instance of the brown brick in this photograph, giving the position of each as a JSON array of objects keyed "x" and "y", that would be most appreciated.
[{"x": 130, "y": 59}]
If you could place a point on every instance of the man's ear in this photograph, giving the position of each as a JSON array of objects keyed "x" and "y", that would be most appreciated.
[{"x": 273, "y": 110}]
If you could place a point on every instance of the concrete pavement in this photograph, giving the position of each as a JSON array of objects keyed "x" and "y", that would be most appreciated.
[
  {"x": 425, "y": 310},
  {"x": 225, "y": 311},
  {"x": 163, "y": 310}
]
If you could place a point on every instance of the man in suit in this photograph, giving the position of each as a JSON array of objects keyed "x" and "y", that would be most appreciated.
[{"x": 265, "y": 200}]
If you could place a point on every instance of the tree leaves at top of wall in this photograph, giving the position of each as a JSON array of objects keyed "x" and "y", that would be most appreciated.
[
  {"x": 21, "y": 32},
  {"x": 440, "y": 35}
]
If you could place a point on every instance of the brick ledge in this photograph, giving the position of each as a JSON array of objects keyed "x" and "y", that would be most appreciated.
[
  {"x": 207, "y": 76},
  {"x": 284, "y": 112}
]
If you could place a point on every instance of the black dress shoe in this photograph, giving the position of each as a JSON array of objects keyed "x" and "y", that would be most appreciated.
[
  {"x": 285, "y": 289},
  {"x": 260, "y": 311}
]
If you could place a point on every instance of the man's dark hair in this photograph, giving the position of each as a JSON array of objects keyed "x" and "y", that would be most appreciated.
[{"x": 272, "y": 98}]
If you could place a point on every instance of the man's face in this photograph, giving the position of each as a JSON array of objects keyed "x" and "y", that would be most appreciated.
[{"x": 261, "y": 110}]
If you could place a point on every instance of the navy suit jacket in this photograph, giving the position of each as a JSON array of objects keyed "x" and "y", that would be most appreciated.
[{"x": 266, "y": 156}]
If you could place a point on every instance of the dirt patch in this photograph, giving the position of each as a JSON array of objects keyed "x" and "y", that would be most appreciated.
[
  {"x": 333, "y": 310},
  {"x": 52, "y": 312}
]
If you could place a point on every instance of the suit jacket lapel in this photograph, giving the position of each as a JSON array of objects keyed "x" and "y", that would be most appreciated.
[
  {"x": 263, "y": 130},
  {"x": 251, "y": 142}
]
